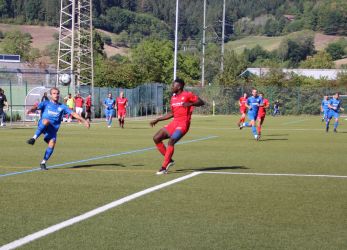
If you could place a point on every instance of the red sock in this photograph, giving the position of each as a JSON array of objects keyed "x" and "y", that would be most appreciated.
[
  {"x": 169, "y": 152},
  {"x": 161, "y": 148},
  {"x": 242, "y": 119},
  {"x": 259, "y": 130}
]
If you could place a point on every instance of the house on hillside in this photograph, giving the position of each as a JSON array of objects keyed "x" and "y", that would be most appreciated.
[
  {"x": 328, "y": 74},
  {"x": 290, "y": 17}
]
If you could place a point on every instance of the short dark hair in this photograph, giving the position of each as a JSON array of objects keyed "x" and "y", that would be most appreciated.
[{"x": 180, "y": 81}]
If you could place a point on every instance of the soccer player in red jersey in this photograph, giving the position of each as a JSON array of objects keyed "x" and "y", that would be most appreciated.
[
  {"x": 182, "y": 105},
  {"x": 262, "y": 112},
  {"x": 79, "y": 104},
  {"x": 88, "y": 107},
  {"x": 121, "y": 104},
  {"x": 243, "y": 109}
]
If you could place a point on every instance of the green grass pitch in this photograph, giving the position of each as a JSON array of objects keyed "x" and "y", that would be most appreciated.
[{"x": 208, "y": 211}]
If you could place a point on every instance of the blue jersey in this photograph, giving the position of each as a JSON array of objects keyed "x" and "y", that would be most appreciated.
[
  {"x": 336, "y": 104},
  {"x": 53, "y": 112},
  {"x": 254, "y": 103},
  {"x": 325, "y": 104},
  {"x": 109, "y": 102}
]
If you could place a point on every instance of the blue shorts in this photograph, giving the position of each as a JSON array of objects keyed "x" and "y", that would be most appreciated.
[
  {"x": 109, "y": 112},
  {"x": 252, "y": 116},
  {"x": 51, "y": 133},
  {"x": 332, "y": 114},
  {"x": 326, "y": 113}
]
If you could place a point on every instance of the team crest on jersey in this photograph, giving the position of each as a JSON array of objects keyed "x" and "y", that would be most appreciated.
[
  {"x": 182, "y": 98},
  {"x": 60, "y": 109}
]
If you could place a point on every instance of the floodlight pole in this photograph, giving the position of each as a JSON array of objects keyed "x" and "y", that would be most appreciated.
[
  {"x": 223, "y": 37},
  {"x": 176, "y": 42},
  {"x": 203, "y": 48}
]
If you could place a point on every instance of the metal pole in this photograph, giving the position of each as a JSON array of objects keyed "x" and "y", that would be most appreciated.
[
  {"x": 223, "y": 35},
  {"x": 203, "y": 48},
  {"x": 92, "y": 52},
  {"x": 176, "y": 41}
]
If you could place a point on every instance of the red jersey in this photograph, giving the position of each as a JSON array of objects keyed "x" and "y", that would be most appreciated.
[
  {"x": 121, "y": 103},
  {"x": 262, "y": 109},
  {"x": 88, "y": 101},
  {"x": 243, "y": 102},
  {"x": 79, "y": 102},
  {"x": 181, "y": 113}
]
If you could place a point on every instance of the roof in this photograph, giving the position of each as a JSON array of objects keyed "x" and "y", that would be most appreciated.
[{"x": 328, "y": 74}]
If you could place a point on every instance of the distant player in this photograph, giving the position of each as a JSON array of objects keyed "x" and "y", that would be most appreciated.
[
  {"x": 262, "y": 112},
  {"x": 324, "y": 108},
  {"x": 182, "y": 105},
  {"x": 79, "y": 101},
  {"x": 109, "y": 105},
  {"x": 52, "y": 113},
  {"x": 276, "y": 108},
  {"x": 253, "y": 104},
  {"x": 243, "y": 109},
  {"x": 334, "y": 111},
  {"x": 121, "y": 104}
]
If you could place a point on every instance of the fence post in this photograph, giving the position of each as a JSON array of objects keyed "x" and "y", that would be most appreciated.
[{"x": 11, "y": 102}]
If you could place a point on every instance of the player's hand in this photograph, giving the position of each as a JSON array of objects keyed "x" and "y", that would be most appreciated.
[
  {"x": 153, "y": 123},
  {"x": 342, "y": 109}
]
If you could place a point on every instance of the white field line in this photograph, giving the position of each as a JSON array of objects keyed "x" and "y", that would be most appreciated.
[
  {"x": 275, "y": 174},
  {"x": 99, "y": 210}
]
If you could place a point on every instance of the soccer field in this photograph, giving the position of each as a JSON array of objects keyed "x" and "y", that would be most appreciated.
[{"x": 226, "y": 191}]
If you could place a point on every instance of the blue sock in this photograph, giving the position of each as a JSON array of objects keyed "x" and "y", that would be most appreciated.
[
  {"x": 40, "y": 128},
  {"x": 109, "y": 121},
  {"x": 327, "y": 123},
  {"x": 336, "y": 124},
  {"x": 254, "y": 130},
  {"x": 48, "y": 153}
]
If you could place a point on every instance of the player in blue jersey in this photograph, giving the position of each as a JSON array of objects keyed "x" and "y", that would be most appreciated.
[
  {"x": 334, "y": 111},
  {"x": 52, "y": 113},
  {"x": 324, "y": 108},
  {"x": 253, "y": 104},
  {"x": 109, "y": 105}
]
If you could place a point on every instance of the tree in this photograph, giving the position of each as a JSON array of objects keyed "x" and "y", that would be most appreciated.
[
  {"x": 17, "y": 43},
  {"x": 321, "y": 60},
  {"x": 337, "y": 49},
  {"x": 154, "y": 60}
]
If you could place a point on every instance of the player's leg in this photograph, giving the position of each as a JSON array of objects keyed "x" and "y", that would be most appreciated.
[
  {"x": 158, "y": 138},
  {"x": 336, "y": 124},
  {"x": 42, "y": 125},
  {"x": 2, "y": 113},
  {"x": 327, "y": 122},
  {"x": 48, "y": 152},
  {"x": 260, "y": 121}
]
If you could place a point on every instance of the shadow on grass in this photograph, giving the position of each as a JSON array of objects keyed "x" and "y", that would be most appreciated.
[
  {"x": 98, "y": 165},
  {"x": 276, "y": 135},
  {"x": 274, "y": 139},
  {"x": 210, "y": 169}
]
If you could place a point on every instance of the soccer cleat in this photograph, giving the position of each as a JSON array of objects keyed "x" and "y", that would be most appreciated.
[
  {"x": 171, "y": 163},
  {"x": 241, "y": 126},
  {"x": 109, "y": 126},
  {"x": 257, "y": 137},
  {"x": 335, "y": 131},
  {"x": 327, "y": 129},
  {"x": 43, "y": 166},
  {"x": 161, "y": 171},
  {"x": 31, "y": 141}
]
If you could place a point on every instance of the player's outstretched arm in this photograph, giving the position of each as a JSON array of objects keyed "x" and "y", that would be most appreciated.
[
  {"x": 161, "y": 118},
  {"x": 78, "y": 117},
  {"x": 32, "y": 109}
]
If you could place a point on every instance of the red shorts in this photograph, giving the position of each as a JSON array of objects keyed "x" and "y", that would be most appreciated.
[
  {"x": 173, "y": 126},
  {"x": 122, "y": 113},
  {"x": 243, "y": 110}
]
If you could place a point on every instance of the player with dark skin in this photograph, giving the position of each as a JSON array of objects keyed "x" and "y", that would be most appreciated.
[{"x": 182, "y": 103}]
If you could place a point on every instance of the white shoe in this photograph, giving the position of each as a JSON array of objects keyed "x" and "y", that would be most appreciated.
[
  {"x": 109, "y": 126},
  {"x": 257, "y": 137}
]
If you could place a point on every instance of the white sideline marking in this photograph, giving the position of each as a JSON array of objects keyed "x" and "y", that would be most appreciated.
[
  {"x": 274, "y": 174},
  {"x": 99, "y": 210}
]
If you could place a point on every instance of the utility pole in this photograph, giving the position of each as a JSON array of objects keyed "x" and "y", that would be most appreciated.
[
  {"x": 176, "y": 42},
  {"x": 223, "y": 37},
  {"x": 203, "y": 48},
  {"x": 75, "y": 53}
]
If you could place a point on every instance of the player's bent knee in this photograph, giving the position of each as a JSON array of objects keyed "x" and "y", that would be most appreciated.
[{"x": 45, "y": 122}]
